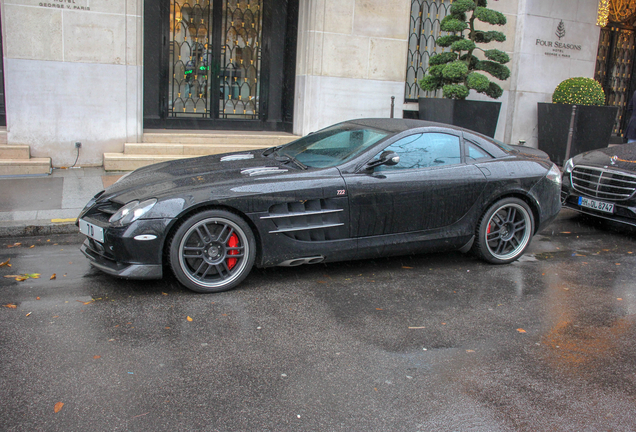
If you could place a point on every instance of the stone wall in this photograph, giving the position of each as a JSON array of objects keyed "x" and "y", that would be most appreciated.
[
  {"x": 73, "y": 72},
  {"x": 541, "y": 59},
  {"x": 351, "y": 60}
]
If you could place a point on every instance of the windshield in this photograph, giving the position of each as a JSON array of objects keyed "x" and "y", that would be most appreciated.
[{"x": 332, "y": 146}]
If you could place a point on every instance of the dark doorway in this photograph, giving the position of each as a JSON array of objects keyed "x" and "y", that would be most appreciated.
[{"x": 220, "y": 64}]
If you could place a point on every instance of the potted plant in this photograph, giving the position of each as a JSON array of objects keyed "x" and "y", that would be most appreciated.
[
  {"x": 459, "y": 71},
  {"x": 578, "y": 116}
]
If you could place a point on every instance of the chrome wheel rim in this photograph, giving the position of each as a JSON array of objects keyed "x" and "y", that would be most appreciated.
[
  {"x": 508, "y": 231},
  {"x": 213, "y": 252}
]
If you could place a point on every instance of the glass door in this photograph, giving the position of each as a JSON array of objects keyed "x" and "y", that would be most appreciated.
[{"x": 215, "y": 59}]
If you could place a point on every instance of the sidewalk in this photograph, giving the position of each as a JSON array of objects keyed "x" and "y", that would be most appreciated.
[{"x": 36, "y": 205}]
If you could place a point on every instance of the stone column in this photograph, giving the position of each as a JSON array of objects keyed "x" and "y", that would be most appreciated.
[
  {"x": 351, "y": 60},
  {"x": 554, "y": 40}
]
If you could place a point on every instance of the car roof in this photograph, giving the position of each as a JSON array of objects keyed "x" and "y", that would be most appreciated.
[{"x": 396, "y": 125}]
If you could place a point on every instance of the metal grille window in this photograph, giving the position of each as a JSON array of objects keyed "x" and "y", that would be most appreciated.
[
  {"x": 426, "y": 16},
  {"x": 215, "y": 53}
]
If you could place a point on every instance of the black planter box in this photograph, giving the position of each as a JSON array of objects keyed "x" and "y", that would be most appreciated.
[
  {"x": 592, "y": 129},
  {"x": 478, "y": 116}
]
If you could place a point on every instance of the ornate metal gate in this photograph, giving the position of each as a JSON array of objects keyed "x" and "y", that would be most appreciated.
[
  {"x": 215, "y": 58},
  {"x": 426, "y": 16},
  {"x": 614, "y": 68}
]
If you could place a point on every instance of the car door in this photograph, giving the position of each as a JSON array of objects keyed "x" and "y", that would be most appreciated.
[{"x": 430, "y": 188}]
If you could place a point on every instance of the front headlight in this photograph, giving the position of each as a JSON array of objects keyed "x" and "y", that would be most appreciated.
[
  {"x": 554, "y": 174},
  {"x": 568, "y": 167},
  {"x": 131, "y": 212}
]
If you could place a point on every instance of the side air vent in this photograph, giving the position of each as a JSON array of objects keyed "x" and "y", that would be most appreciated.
[{"x": 312, "y": 220}]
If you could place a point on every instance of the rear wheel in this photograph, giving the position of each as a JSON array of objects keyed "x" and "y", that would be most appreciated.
[
  {"x": 504, "y": 231},
  {"x": 212, "y": 251}
]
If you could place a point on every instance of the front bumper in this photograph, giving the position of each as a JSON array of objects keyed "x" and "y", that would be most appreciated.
[
  {"x": 131, "y": 271},
  {"x": 622, "y": 213},
  {"x": 134, "y": 251}
]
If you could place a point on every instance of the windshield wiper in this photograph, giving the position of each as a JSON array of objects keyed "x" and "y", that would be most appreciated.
[
  {"x": 272, "y": 150},
  {"x": 286, "y": 159}
]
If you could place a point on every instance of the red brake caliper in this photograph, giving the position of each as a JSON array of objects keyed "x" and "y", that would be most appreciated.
[{"x": 232, "y": 242}]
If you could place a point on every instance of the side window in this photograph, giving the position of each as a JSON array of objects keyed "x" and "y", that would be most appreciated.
[
  {"x": 475, "y": 153},
  {"x": 425, "y": 150}
]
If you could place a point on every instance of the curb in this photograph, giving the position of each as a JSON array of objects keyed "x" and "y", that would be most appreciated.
[{"x": 36, "y": 229}]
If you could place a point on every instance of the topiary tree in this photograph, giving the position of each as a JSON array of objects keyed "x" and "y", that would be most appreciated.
[
  {"x": 454, "y": 71},
  {"x": 579, "y": 91}
]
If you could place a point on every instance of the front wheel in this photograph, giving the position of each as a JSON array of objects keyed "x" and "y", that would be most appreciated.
[
  {"x": 212, "y": 251},
  {"x": 504, "y": 231}
]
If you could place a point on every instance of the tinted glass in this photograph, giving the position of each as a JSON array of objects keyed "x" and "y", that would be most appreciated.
[
  {"x": 476, "y": 153},
  {"x": 332, "y": 146},
  {"x": 425, "y": 150}
]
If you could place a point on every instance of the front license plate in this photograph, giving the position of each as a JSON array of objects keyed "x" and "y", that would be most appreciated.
[
  {"x": 92, "y": 231},
  {"x": 596, "y": 205}
]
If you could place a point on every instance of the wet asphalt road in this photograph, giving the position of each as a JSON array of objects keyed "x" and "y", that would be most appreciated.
[{"x": 431, "y": 342}]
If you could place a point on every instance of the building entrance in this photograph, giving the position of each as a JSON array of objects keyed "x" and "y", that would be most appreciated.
[{"x": 220, "y": 64}]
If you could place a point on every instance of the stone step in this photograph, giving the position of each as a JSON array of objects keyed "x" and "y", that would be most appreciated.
[
  {"x": 260, "y": 138},
  {"x": 25, "y": 166},
  {"x": 14, "y": 151},
  {"x": 187, "y": 149},
  {"x": 130, "y": 162},
  {"x": 3, "y": 135}
]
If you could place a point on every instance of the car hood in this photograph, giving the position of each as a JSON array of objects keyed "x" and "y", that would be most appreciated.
[
  {"x": 231, "y": 169},
  {"x": 621, "y": 157}
]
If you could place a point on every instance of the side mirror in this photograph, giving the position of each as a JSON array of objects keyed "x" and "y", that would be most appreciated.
[{"x": 388, "y": 158}]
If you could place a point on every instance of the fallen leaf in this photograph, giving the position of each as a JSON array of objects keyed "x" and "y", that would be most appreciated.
[
  {"x": 85, "y": 303},
  {"x": 37, "y": 298},
  {"x": 15, "y": 245},
  {"x": 566, "y": 232},
  {"x": 4, "y": 263},
  {"x": 53, "y": 276},
  {"x": 189, "y": 319},
  {"x": 31, "y": 247},
  {"x": 167, "y": 328},
  {"x": 520, "y": 330},
  {"x": 32, "y": 275},
  {"x": 96, "y": 357},
  {"x": 58, "y": 407},
  {"x": 163, "y": 293},
  {"x": 405, "y": 267},
  {"x": 470, "y": 351},
  {"x": 10, "y": 306},
  {"x": 619, "y": 299},
  {"x": 378, "y": 308}
]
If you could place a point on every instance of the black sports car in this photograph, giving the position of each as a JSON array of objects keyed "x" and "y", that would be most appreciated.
[
  {"x": 359, "y": 189},
  {"x": 602, "y": 183}
]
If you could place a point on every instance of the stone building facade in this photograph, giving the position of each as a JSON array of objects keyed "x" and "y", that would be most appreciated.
[{"x": 100, "y": 72}]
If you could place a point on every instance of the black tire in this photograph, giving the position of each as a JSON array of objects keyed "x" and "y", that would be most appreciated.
[
  {"x": 504, "y": 231},
  {"x": 212, "y": 251}
]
